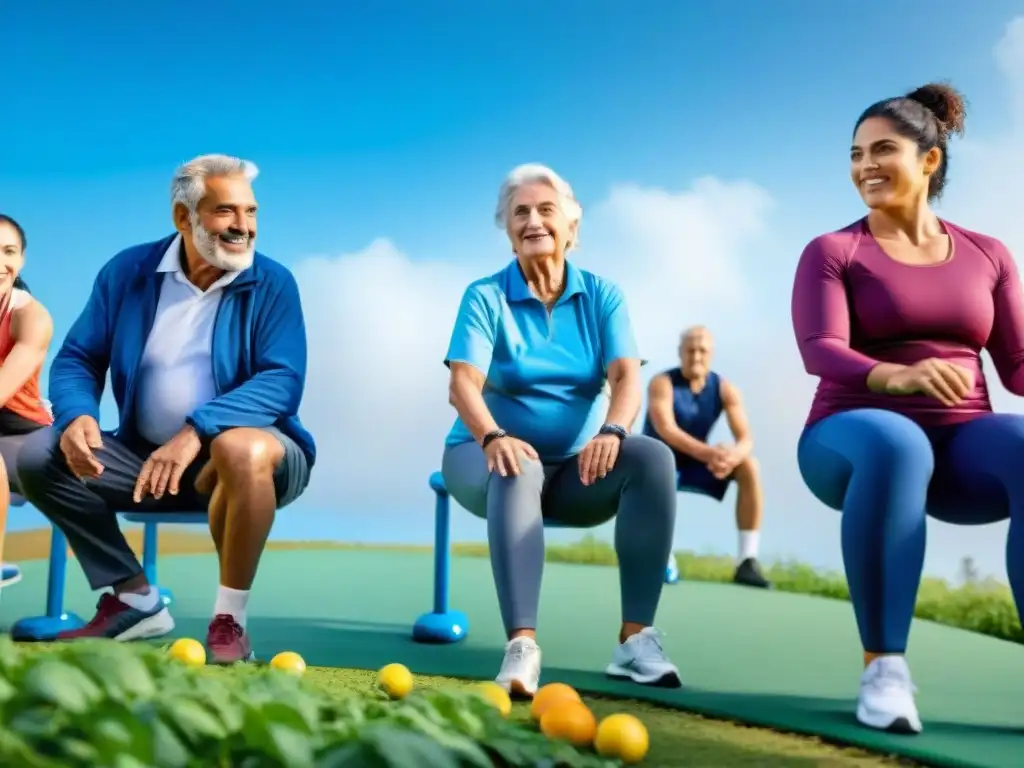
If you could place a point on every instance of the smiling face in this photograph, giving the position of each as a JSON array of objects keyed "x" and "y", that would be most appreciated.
[
  {"x": 223, "y": 226},
  {"x": 537, "y": 226},
  {"x": 888, "y": 169},
  {"x": 12, "y": 256}
]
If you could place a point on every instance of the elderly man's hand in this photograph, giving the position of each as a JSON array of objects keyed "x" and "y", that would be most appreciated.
[
  {"x": 724, "y": 461},
  {"x": 163, "y": 469},
  {"x": 598, "y": 457},
  {"x": 77, "y": 443}
]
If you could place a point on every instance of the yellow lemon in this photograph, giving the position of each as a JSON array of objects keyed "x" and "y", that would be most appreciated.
[
  {"x": 548, "y": 695},
  {"x": 395, "y": 680},
  {"x": 188, "y": 651},
  {"x": 289, "y": 661},
  {"x": 496, "y": 696},
  {"x": 622, "y": 736},
  {"x": 570, "y": 721}
]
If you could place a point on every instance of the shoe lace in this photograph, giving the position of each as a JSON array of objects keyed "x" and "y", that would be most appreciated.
[
  {"x": 517, "y": 651},
  {"x": 887, "y": 677},
  {"x": 224, "y": 629},
  {"x": 648, "y": 644}
]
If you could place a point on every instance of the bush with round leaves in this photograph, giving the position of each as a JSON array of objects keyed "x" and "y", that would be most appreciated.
[{"x": 108, "y": 705}]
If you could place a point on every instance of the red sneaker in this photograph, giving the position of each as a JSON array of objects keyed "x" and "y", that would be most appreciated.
[
  {"x": 227, "y": 642},
  {"x": 116, "y": 621}
]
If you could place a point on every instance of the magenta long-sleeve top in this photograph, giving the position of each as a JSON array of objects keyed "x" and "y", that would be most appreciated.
[{"x": 855, "y": 307}]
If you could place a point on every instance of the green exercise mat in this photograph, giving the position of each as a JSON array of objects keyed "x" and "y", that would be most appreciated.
[{"x": 769, "y": 659}]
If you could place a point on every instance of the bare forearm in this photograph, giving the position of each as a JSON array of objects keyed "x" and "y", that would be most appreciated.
[
  {"x": 19, "y": 368},
  {"x": 468, "y": 401},
  {"x": 625, "y": 401},
  {"x": 744, "y": 445},
  {"x": 684, "y": 443}
]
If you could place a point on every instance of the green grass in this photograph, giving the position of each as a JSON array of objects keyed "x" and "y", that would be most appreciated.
[
  {"x": 677, "y": 738},
  {"x": 985, "y": 607}
]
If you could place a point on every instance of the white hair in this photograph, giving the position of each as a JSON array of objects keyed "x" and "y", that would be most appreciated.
[
  {"x": 189, "y": 184},
  {"x": 693, "y": 330},
  {"x": 534, "y": 173}
]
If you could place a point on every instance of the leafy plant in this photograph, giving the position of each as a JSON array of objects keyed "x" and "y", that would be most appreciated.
[{"x": 110, "y": 705}]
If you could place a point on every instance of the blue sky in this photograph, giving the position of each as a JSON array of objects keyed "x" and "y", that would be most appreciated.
[{"x": 707, "y": 142}]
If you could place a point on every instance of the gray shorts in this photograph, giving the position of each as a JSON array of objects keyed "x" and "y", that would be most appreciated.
[{"x": 292, "y": 475}]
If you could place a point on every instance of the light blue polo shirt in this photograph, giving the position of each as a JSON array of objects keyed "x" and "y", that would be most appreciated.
[{"x": 546, "y": 373}]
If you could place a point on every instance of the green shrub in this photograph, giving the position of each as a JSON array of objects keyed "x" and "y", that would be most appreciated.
[
  {"x": 986, "y": 608},
  {"x": 110, "y": 705}
]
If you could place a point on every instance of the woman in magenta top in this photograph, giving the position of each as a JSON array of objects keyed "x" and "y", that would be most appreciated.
[{"x": 892, "y": 313}]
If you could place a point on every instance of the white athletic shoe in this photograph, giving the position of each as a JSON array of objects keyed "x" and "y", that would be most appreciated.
[
  {"x": 886, "y": 700},
  {"x": 520, "y": 669},
  {"x": 642, "y": 660}
]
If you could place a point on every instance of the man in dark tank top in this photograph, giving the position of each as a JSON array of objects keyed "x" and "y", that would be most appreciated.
[{"x": 684, "y": 404}]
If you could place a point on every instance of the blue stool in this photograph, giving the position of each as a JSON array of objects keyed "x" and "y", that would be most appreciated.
[
  {"x": 443, "y": 625},
  {"x": 46, "y": 628}
]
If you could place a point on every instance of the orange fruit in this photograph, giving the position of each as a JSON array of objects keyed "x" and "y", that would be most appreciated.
[
  {"x": 550, "y": 693},
  {"x": 622, "y": 736},
  {"x": 570, "y": 721}
]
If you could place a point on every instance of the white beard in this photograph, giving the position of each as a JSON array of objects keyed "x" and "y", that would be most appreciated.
[{"x": 214, "y": 253}]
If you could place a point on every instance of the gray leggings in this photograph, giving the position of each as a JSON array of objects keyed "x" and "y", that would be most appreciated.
[{"x": 640, "y": 491}]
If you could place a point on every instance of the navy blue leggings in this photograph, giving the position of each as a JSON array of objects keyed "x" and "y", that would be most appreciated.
[{"x": 887, "y": 474}]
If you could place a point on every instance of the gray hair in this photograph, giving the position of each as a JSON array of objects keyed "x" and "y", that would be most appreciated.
[
  {"x": 694, "y": 330},
  {"x": 534, "y": 173},
  {"x": 189, "y": 184}
]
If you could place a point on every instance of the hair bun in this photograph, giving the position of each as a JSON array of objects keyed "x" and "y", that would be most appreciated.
[{"x": 945, "y": 102}]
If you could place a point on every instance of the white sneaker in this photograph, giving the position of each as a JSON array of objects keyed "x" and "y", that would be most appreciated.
[
  {"x": 886, "y": 700},
  {"x": 520, "y": 669},
  {"x": 642, "y": 660}
]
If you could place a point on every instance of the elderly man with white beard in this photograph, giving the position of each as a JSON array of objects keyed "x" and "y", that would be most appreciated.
[{"x": 205, "y": 342}]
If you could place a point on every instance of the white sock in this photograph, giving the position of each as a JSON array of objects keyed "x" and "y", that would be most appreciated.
[
  {"x": 140, "y": 601},
  {"x": 749, "y": 541},
  {"x": 232, "y": 602}
]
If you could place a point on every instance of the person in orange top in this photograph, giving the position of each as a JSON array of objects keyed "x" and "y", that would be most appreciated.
[{"x": 25, "y": 332}]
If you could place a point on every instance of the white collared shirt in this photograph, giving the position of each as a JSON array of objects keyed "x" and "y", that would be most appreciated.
[{"x": 176, "y": 374}]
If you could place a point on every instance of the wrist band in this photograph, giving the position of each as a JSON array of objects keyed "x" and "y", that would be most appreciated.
[
  {"x": 613, "y": 429},
  {"x": 490, "y": 437}
]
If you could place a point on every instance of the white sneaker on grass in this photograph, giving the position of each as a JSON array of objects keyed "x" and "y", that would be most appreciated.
[
  {"x": 886, "y": 701},
  {"x": 642, "y": 659},
  {"x": 520, "y": 669}
]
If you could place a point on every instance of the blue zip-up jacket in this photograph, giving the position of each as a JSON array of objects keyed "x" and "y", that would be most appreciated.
[{"x": 259, "y": 348}]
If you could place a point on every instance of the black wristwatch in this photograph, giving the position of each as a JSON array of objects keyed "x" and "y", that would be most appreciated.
[
  {"x": 613, "y": 429},
  {"x": 490, "y": 437}
]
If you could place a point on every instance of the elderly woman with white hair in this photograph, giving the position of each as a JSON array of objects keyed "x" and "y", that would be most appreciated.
[{"x": 545, "y": 378}]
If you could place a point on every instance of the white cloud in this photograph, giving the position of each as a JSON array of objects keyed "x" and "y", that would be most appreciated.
[{"x": 379, "y": 323}]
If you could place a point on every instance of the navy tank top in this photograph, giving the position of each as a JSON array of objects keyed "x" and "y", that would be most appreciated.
[{"x": 696, "y": 413}]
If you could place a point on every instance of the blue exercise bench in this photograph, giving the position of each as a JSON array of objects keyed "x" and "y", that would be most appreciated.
[
  {"x": 56, "y": 620},
  {"x": 442, "y": 624}
]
